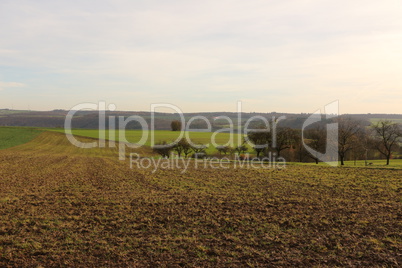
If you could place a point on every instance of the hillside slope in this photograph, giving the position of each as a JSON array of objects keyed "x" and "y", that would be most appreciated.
[{"x": 62, "y": 206}]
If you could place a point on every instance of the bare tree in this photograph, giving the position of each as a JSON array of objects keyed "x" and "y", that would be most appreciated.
[
  {"x": 199, "y": 148},
  {"x": 285, "y": 139},
  {"x": 261, "y": 139},
  {"x": 387, "y": 134},
  {"x": 358, "y": 151},
  {"x": 348, "y": 131},
  {"x": 187, "y": 148},
  {"x": 241, "y": 149},
  {"x": 182, "y": 146},
  {"x": 163, "y": 148},
  {"x": 259, "y": 149},
  {"x": 316, "y": 139},
  {"x": 222, "y": 149}
]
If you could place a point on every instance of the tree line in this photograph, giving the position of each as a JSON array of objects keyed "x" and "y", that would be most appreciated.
[{"x": 355, "y": 141}]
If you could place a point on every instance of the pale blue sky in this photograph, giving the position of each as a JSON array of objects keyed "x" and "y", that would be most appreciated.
[{"x": 284, "y": 56}]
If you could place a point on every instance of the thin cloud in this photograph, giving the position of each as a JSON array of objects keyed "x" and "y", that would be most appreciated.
[{"x": 5, "y": 85}]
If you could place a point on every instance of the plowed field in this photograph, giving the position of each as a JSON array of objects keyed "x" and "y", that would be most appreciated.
[{"x": 65, "y": 206}]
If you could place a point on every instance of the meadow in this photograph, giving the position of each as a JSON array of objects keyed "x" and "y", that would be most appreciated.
[
  {"x": 13, "y": 136},
  {"x": 376, "y": 120},
  {"x": 134, "y": 136},
  {"x": 378, "y": 163},
  {"x": 65, "y": 206}
]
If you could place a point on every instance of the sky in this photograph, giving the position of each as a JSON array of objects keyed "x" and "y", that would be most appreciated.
[{"x": 202, "y": 56}]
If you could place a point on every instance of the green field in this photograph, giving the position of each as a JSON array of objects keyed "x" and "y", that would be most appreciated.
[
  {"x": 134, "y": 136},
  {"x": 8, "y": 112},
  {"x": 375, "y": 120},
  {"x": 13, "y": 136},
  {"x": 394, "y": 163}
]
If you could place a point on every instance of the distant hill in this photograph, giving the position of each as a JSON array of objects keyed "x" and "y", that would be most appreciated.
[{"x": 90, "y": 119}]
